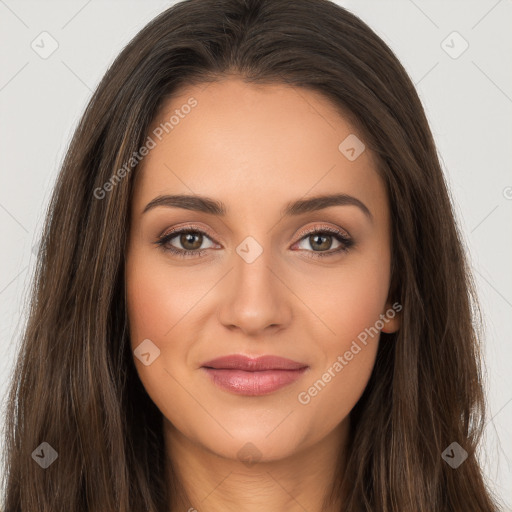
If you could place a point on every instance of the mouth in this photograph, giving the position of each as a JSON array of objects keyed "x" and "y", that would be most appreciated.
[{"x": 243, "y": 375}]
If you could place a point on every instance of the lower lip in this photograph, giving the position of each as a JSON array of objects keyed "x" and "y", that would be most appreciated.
[{"x": 253, "y": 383}]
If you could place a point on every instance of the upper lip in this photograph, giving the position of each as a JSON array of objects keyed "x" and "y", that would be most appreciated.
[{"x": 241, "y": 362}]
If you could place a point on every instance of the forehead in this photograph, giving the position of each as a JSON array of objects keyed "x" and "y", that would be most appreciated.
[{"x": 252, "y": 144}]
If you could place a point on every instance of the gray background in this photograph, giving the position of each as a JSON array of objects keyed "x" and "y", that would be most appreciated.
[{"x": 468, "y": 100}]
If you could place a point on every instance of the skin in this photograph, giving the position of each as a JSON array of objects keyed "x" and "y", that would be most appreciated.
[{"x": 255, "y": 148}]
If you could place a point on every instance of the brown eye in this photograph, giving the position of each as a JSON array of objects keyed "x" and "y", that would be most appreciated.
[
  {"x": 191, "y": 240},
  {"x": 184, "y": 242},
  {"x": 321, "y": 240}
]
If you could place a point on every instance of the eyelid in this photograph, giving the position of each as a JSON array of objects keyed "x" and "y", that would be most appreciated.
[
  {"x": 186, "y": 227},
  {"x": 323, "y": 227}
]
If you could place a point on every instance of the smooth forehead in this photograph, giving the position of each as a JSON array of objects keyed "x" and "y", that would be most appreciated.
[
  {"x": 262, "y": 101},
  {"x": 242, "y": 138}
]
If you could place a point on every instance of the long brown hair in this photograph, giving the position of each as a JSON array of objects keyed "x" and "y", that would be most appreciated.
[{"x": 75, "y": 385}]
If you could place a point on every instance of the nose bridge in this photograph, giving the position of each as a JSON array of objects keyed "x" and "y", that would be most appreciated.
[{"x": 254, "y": 297}]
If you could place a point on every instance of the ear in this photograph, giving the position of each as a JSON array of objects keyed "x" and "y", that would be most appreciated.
[{"x": 392, "y": 317}]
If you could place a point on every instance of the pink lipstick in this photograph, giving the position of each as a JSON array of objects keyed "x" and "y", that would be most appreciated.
[{"x": 252, "y": 377}]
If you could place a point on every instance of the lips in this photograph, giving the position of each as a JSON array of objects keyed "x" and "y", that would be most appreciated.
[
  {"x": 240, "y": 362},
  {"x": 247, "y": 376}
]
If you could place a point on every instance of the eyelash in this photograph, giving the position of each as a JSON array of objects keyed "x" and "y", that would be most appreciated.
[{"x": 162, "y": 242}]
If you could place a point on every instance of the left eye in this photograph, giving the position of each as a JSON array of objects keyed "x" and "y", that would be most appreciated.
[{"x": 320, "y": 240}]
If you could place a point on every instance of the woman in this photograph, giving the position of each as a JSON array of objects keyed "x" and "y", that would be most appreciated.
[{"x": 251, "y": 292}]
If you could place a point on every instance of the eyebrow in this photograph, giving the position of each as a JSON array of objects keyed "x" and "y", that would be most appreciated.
[{"x": 293, "y": 208}]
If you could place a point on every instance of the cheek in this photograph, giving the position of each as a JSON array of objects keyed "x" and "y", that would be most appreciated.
[
  {"x": 156, "y": 311},
  {"x": 350, "y": 305},
  {"x": 334, "y": 388},
  {"x": 164, "y": 305},
  {"x": 147, "y": 300},
  {"x": 158, "y": 297},
  {"x": 348, "y": 299}
]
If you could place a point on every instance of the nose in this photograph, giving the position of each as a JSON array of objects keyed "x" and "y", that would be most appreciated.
[{"x": 255, "y": 297}]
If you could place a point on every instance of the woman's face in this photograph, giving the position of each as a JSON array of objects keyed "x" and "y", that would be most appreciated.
[{"x": 255, "y": 281}]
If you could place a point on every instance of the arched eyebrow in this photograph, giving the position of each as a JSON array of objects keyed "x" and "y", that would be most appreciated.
[
  {"x": 312, "y": 204},
  {"x": 293, "y": 208}
]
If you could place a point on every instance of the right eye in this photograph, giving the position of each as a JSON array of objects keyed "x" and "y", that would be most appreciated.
[{"x": 189, "y": 238}]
